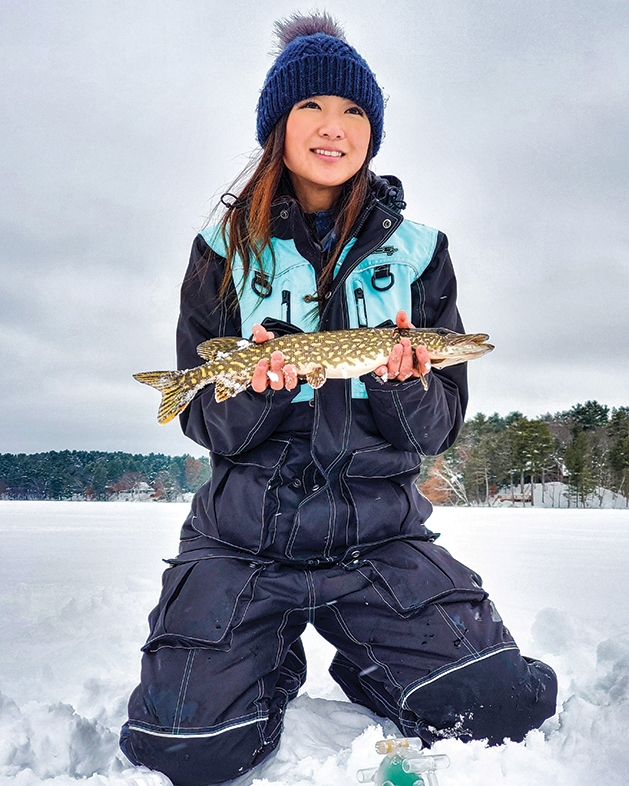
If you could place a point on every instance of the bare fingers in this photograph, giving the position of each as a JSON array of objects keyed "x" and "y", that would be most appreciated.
[
  {"x": 260, "y": 379},
  {"x": 275, "y": 375},
  {"x": 423, "y": 361},
  {"x": 261, "y": 334},
  {"x": 401, "y": 365},
  {"x": 276, "y": 371},
  {"x": 402, "y": 320},
  {"x": 290, "y": 377}
]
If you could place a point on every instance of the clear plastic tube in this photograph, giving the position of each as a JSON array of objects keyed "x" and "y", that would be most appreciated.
[
  {"x": 367, "y": 775},
  {"x": 388, "y": 746},
  {"x": 425, "y": 763}
]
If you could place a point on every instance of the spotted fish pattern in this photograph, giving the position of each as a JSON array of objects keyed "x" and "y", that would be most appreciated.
[{"x": 333, "y": 354}]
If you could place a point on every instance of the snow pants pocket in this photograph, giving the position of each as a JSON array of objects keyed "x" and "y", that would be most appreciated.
[
  {"x": 202, "y": 602},
  {"x": 410, "y": 575}
]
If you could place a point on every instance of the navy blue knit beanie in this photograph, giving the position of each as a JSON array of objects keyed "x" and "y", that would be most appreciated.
[{"x": 316, "y": 60}]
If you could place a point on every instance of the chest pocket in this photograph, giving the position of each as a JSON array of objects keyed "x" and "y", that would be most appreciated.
[
  {"x": 375, "y": 292},
  {"x": 282, "y": 291},
  {"x": 382, "y": 284}
]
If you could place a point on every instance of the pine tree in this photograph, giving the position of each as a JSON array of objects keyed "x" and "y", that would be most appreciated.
[
  {"x": 589, "y": 416},
  {"x": 577, "y": 460}
]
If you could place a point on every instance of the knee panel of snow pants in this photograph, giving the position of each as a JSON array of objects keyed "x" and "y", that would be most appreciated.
[
  {"x": 496, "y": 696},
  {"x": 425, "y": 647},
  {"x": 477, "y": 700},
  {"x": 200, "y": 723},
  {"x": 190, "y": 761}
]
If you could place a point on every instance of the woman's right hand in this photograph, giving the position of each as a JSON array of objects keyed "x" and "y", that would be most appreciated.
[{"x": 278, "y": 375}]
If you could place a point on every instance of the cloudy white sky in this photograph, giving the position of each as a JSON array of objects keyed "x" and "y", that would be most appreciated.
[{"x": 123, "y": 119}]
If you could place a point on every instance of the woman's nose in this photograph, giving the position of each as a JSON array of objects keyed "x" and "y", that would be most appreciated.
[{"x": 332, "y": 129}]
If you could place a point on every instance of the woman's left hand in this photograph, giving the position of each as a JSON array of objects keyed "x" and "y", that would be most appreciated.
[{"x": 400, "y": 364}]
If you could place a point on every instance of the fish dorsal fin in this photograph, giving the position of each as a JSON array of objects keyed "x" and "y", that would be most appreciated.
[
  {"x": 228, "y": 386},
  {"x": 220, "y": 348},
  {"x": 316, "y": 377}
]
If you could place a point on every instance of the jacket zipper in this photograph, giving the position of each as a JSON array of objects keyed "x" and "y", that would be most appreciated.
[
  {"x": 286, "y": 305},
  {"x": 361, "y": 307}
]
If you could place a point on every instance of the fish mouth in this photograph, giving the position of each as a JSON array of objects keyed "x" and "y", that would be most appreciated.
[{"x": 462, "y": 351}]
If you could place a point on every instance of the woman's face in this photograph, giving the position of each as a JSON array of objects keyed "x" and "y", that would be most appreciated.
[{"x": 327, "y": 139}]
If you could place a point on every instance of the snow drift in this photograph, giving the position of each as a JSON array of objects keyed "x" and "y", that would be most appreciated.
[{"x": 79, "y": 579}]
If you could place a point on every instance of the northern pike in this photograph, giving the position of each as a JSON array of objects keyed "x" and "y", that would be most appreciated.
[{"x": 333, "y": 354}]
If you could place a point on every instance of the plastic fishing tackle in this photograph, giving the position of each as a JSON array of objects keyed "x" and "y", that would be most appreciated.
[{"x": 404, "y": 764}]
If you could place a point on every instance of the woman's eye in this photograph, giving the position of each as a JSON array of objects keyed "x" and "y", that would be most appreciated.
[
  {"x": 309, "y": 105},
  {"x": 356, "y": 110}
]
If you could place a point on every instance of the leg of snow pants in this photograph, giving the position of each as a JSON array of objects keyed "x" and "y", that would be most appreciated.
[
  {"x": 438, "y": 663},
  {"x": 217, "y": 671},
  {"x": 417, "y": 641}
]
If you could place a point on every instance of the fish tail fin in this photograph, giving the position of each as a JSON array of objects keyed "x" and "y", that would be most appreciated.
[{"x": 176, "y": 395}]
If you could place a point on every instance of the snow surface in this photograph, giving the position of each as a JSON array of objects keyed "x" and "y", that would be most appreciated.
[{"x": 78, "y": 580}]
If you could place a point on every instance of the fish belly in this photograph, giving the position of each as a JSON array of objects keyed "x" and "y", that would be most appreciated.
[{"x": 355, "y": 369}]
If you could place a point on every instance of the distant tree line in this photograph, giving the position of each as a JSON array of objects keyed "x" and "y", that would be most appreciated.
[
  {"x": 586, "y": 447},
  {"x": 79, "y": 474}
]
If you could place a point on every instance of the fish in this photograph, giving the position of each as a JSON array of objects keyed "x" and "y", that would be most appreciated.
[{"x": 332, "y": 354}]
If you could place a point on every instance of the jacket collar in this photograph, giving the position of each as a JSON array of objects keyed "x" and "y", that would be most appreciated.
[
  {"x": 388, "y": 190},
  {"x": 287, "y": 220}
]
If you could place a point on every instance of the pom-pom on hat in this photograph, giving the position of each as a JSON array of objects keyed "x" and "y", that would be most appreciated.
[{"x": 315, "y": 59}]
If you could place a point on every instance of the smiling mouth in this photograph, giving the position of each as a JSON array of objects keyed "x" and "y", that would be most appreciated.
[{"x": 329, "y": 153}]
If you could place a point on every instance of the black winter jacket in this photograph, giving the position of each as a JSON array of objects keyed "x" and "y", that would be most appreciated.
[{"x": 316, "y": 481}]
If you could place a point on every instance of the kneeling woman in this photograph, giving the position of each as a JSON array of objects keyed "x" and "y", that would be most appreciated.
[{"x": 312, "y": 513}]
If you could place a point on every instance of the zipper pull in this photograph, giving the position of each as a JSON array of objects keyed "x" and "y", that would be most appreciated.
[
  {"x": 286, "y": 305},
  {"x": 361, "y": 307},
  {"x": 388, "y": 250}
]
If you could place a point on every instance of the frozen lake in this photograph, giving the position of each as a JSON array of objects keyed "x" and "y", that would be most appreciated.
[{"x": 78, "y": 580}]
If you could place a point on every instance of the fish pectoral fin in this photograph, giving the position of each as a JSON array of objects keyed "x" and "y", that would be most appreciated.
[
  {"x": 228, "y": 386},
  {"x": 316, "y": 377},
  {"x": 417, "y": 366},
  {"x": 220, "y": 348}
]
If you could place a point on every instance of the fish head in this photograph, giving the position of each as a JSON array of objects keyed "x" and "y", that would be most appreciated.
[
  {"x": 447, "y": 348},
  {"x": 460, "y": 349}
]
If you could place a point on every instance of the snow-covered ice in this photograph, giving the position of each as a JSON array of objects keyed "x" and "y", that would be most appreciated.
[{"x": 78, "y": 580}]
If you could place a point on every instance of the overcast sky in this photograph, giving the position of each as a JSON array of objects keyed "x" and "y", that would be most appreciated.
[{"x": 123, "y": 119}]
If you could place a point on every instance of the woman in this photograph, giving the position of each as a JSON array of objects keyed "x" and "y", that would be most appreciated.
[{"x": 312, "y": 513}]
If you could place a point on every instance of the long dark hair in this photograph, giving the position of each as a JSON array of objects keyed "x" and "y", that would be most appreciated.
[{"x": 246, "y": 225}]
